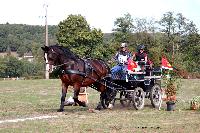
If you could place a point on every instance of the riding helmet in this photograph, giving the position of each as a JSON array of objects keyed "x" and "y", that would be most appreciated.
[
  {"x": 141, "y": 46},
  {"x": 123, "y": 45}
]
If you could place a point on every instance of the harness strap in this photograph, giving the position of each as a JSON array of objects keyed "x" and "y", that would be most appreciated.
[
  {"x": 70, "y": 71},
  {"x": 93, "y": 69},
  {"x": 88, "y": 67}
]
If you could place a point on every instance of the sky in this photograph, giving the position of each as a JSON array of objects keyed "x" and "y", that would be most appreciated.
[{"x": 100, "y": 14}]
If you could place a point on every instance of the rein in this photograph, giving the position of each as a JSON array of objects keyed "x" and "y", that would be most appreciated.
[{"x": 67, "y": 63}]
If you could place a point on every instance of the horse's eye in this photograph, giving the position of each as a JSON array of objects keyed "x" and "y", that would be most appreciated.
[{"x": 50, "y": 58}]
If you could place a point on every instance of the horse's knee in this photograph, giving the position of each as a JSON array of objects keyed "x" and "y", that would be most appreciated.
[{"x": 76, "y": 93}]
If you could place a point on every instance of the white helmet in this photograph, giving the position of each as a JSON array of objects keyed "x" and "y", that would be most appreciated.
[{"x": 123, "y": 45}]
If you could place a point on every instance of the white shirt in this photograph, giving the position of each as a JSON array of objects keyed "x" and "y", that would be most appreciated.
[{"x": 122, "y": 58}]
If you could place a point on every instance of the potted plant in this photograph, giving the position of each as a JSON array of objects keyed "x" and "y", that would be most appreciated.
[
  {"x": 170, "y": 92},
  {"x": 172, "y": 85}
]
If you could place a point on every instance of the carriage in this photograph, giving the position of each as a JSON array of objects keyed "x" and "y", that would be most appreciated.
[{"x": 132, "y": 87}]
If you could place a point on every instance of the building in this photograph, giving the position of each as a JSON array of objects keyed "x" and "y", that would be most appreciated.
[{"x": 28, "y": 55}]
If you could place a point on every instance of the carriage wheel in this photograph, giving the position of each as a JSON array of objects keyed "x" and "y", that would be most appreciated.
[
  {"x": 138, "y": 98},
  {"x": 156, "y": 96},
  {"x": 124, "y": 99}
]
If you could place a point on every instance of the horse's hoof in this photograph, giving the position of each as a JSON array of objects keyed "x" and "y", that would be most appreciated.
[
  {"x": 60, "y": 110},
  {"x": 98, "y": 108},
  {"x": 110, "y": 106}
]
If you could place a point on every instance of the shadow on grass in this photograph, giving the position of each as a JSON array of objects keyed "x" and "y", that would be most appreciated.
[
  {"x": 70, "y": 109},
  {"x": 73, "y": 109},
  {"x": 118, "y": 106}
]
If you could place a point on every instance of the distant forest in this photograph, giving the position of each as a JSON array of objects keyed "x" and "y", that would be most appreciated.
[{"x": 21, "y": 38}]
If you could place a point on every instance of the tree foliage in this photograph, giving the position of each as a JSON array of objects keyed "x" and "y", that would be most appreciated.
[
  {"x": 12, "y": 67},
  {"x": 123, "y": 28},
  {"x": 173, "y": 35},
  {"x": 75, "y": 33},
  {"x": 20, "y": 37}
]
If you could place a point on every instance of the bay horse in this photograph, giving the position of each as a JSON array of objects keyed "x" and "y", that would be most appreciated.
[{"x": 78, "y": 72}]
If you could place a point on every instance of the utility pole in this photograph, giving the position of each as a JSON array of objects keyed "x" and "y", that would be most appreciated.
[{"x": 46, "y": 43}]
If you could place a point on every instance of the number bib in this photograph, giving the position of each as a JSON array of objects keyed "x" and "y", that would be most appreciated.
[{"x": 123, "y": 59}]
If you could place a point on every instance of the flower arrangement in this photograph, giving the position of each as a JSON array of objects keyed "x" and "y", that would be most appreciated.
[
  {"x": 195, "y": 103},
  {"x": 171, "y": 90},
  {"x": 172, "y": 85}
]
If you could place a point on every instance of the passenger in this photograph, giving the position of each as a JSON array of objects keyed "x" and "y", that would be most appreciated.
[
  {"x": 121, "y": 57},
  {"x": 141, "y": 55}
]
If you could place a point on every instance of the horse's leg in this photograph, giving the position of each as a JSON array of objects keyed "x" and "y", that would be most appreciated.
[
  {"x": 102, "y": 102},
  {"x": 107, "y": 97},
  {"x": 62, "y": 100},
  {"x": 100, "y": 106},
  {"x": 76, "y": 93}
]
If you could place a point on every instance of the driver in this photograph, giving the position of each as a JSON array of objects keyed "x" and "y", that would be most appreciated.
[{"x": 121, "y": 57}]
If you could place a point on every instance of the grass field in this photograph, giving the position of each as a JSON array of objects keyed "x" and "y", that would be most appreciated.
[{"x": 30, "y": 98}]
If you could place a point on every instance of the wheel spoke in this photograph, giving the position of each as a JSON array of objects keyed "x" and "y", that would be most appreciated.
[
  {"x": 155, "y": 95},
  {"x": 138, "y": 98}
]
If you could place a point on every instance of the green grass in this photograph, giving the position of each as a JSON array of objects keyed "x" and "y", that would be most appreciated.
[{"x": 29, "y": 98}]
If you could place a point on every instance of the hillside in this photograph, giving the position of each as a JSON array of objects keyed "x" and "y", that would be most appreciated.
[{"x": 22, "y": 38}]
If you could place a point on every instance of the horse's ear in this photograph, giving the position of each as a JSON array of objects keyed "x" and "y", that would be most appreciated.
[{"x": 45, "y": 48}]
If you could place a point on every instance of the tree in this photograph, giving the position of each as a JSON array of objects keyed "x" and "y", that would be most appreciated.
[
  {"x": 191, "y": 51},
  {"x": 173, "y": 28},
  {"x": 13, "y": 67},
  {"x": 168, "y": 24},
  {"x": 2, "y": 67},
  {"x": 75, "y": 33},
  {"x": 123, "y": 28},
  {"x": 31, "y": 69},
  {"x": 145, "y": 31},
  {"x": 182, "y": 38}
]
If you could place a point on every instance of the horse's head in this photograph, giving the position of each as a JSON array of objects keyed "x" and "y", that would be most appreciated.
[
  {"x": 51, "y": 55},
  {"x": 57, "y": 55}
]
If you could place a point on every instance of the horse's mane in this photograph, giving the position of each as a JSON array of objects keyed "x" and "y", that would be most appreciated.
[{"x": 68, "y": 53}]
